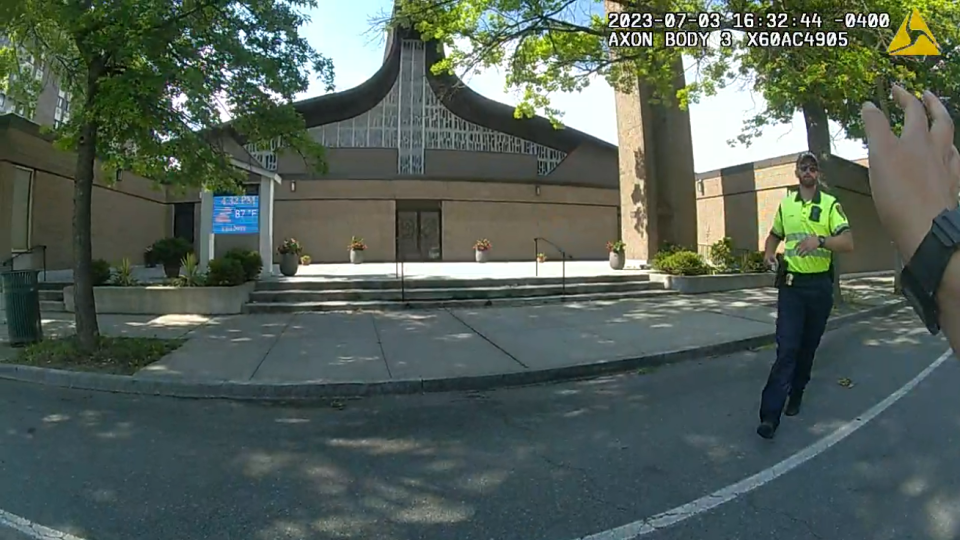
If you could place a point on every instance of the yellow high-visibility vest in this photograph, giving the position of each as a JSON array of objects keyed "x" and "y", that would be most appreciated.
[{"x": 797, "y": 219}]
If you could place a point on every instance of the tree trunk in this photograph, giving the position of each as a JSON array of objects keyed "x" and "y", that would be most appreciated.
[
  {"x": 88, "y": 330},
  {"x": 818, "y": 130},
  {"x": 818, "y": 142}
]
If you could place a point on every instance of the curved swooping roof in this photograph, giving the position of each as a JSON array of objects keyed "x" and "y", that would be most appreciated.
[{"x": 385, "y": 89}]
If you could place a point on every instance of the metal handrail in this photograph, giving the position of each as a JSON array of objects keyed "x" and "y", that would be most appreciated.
[
  {"x": 563, "y": 262},
  {"x": 43, "y": 258},
  {"x": 399, "y": 269}
]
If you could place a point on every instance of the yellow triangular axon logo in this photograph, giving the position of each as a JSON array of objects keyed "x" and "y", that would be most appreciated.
[{"x": 914, "y": 38}]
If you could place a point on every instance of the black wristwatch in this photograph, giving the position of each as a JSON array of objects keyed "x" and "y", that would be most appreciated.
[
  {"x": 822, "y": 240},
  {"x": 921, "y": 277}
]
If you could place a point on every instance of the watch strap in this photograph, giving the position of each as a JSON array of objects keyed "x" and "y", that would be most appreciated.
[{"x": 932, "y": 257}]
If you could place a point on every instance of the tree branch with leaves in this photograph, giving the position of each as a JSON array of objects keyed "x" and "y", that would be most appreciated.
[{"x": 152, "y": 80}]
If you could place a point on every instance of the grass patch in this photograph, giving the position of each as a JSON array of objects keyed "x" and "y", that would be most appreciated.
[{"x": 116, "y": 355}]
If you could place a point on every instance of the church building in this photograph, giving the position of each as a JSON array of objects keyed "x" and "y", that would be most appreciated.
[{"x": 421, "y": 167}]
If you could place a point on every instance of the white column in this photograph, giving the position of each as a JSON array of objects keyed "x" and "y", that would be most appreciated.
[
  {"x": 267, "y": 188},
  {"x": 206, "y": 247}
]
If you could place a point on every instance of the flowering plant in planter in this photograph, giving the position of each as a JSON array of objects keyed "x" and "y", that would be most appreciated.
[
  {"x": 356, "y": 244},
  {"x": 616, "y": 247},
  {"x": 482, "y": 245},
  {"x": 291, "y": 246},
  {"x": 541, "y": 257}
]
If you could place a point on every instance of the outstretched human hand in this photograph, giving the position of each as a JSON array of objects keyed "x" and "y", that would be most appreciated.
[{"x": 915, "y": 176}]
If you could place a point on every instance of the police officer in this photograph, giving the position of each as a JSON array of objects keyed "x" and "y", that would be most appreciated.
[{"x": 812, "y": 225}]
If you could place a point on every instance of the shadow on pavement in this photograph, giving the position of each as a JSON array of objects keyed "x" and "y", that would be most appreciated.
[{"x": 554, "y": 462}]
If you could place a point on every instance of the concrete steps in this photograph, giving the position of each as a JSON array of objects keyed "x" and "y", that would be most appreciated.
[
  {"x": 326, "y": 284},
  {"x": 301, "y": 295},
  {"x": 51, "y": 297}
]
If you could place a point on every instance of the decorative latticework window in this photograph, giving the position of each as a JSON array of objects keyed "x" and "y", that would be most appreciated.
[
  {"x": 265, "y": 152},
  {"x": 411, "y": 118},
  {"x": 61, "y": 115}
]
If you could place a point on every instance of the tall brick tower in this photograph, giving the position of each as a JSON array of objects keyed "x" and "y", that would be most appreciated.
[{"x": 657, "y": 183}]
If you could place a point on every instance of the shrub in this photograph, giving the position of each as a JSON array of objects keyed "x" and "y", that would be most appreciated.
[
  {"x": 753, "y": 263},
  {"x": 192, "y": 277},
  {"x": 100, "y": 272},
  {"x": 356, "y": 244},
  {"x": 290, "y": 245},
  {"x": 482, "y": 245},
  {"x": 250, "y": 260},
  {"x": 683, "y": 263},
  {"x": 722, "y": 255},
  {"x": 124, "y": 274},
  {"x": 170, "y": 251},
  {"x": 665, "y": 250},
  {"x": 225, "y": 272}
]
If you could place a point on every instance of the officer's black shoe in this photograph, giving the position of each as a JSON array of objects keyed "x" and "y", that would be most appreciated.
[
  {"x": 793, "y": 405},
  {"x": 766, "y": 430}
]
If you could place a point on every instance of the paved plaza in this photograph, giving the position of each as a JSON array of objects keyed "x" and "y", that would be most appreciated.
[{"x": 370, "y": 347}]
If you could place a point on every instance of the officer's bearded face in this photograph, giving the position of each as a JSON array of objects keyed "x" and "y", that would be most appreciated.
[{"x": 808, "y": 173}]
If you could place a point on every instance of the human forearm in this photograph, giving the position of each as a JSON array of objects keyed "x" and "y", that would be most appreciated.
[
  {"x": 842, "y": 243},
  {"x": 771, "y": 245},
  {"x": 948, "y": 300}
]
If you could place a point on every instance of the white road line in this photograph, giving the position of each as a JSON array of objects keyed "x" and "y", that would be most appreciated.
[
  {"x": 630, "y": 531},
  {"x": 32, "y": 530}
]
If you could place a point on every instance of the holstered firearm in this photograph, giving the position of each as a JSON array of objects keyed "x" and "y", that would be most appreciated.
[{"x": 781, "y": 278}]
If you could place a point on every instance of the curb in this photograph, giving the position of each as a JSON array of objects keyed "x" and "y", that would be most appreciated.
[{"x": 122, "y": 384}]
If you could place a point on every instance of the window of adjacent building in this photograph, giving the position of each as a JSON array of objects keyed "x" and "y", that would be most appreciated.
[
  {"x": 21, "y": 209},
  {"x": 62, "y": 113}
]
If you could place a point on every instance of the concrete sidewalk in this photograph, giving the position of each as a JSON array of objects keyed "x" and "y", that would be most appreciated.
[{"x": 364, "y": 348}]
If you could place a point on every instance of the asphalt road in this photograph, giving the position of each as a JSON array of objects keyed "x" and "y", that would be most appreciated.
[{"x": 556, "y": 462}]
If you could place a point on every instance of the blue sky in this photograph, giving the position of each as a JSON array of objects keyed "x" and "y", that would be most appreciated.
[{"x": 342, "y": 31}]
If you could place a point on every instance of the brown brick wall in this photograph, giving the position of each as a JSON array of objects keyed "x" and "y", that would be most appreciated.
[
  {"x": 323, "y": 215},
  {"x": 582, "y": 231},
  {"x": 123, "y": 225},
  {"x": 6, "y": 194},
  {"x": 324, "y": 228},
  {"x": 127, "y": 216}
]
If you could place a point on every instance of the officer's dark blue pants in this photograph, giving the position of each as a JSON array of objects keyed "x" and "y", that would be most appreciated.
[{"x": 802, "y": 312}]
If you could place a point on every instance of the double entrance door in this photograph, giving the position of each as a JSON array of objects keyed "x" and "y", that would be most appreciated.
[{"x": 419, "y": 231}]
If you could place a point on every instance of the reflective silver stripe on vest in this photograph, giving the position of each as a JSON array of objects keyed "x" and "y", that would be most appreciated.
[
  {"x": 796, "y": 236},
  {"x": 818, "y": 253}
]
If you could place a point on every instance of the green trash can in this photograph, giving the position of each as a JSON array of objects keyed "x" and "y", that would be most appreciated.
[{"x": 21, "y": 297}]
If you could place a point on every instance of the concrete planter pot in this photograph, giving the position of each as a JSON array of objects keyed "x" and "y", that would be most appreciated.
[
  {"x": 171, "y": 270},
  {"x": 482, "y": 255},
  {"x": 715, "y": 283},
  {"x": 165, "y": 300},
  {"x": 356, "y": 256},
  {"x": 289, "y": 264},
  {"x": 617, "y": 260}
]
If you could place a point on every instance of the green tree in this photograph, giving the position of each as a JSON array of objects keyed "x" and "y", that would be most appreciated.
[
  {"x": 150, "y": 81},
  {"x": 549, "y": 46},
  {"x": 832, "y": 82}
]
